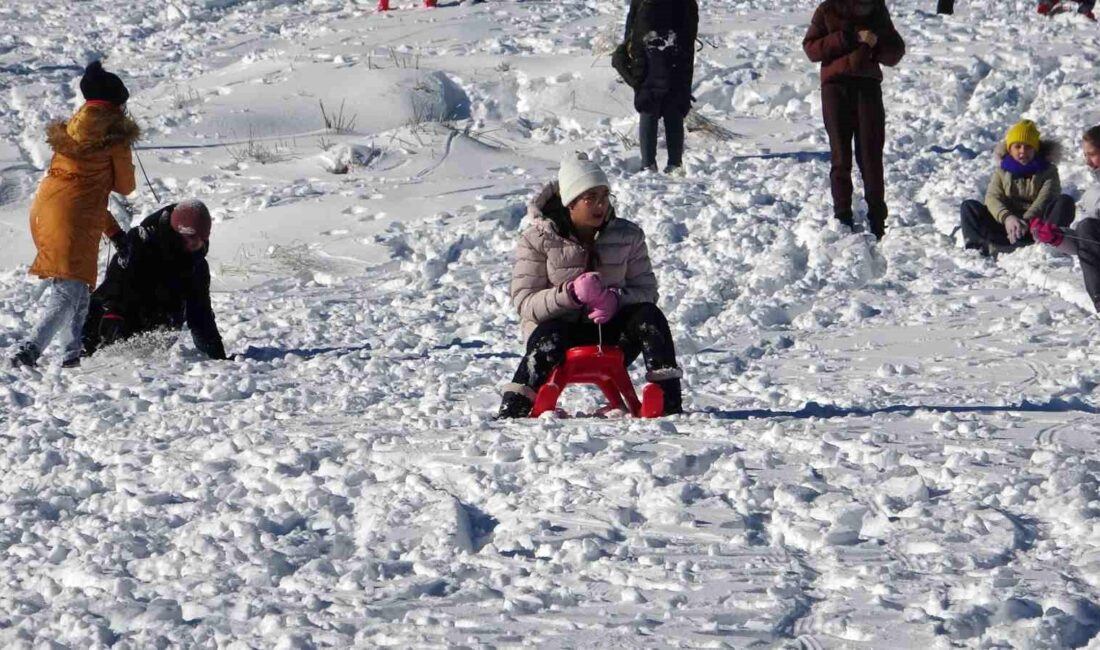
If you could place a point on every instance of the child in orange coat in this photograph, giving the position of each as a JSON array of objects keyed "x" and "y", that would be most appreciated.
[{"x": 92, "y": 158}]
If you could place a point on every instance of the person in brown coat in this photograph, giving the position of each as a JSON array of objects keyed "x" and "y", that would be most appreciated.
[
  {"x": 92, "y": 158},
  {"x": 852, "y": 39},
  {"x": 582, "y": 273}
]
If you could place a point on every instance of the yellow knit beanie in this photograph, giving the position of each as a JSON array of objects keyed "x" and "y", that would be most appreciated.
[{"x": 1023, "y": 131}]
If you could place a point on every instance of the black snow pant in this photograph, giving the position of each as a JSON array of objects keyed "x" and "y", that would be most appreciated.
[
  {"x": 945, "y": 7},
  {"x": 853, "y": 111},
  {"x": 1088, "y": 252},
  {"x": 674, "y": 134},
  {"x": 1083, "y": 6},
  {"x": 639, "y": 329},
  {"x": 982, "y": 231}
]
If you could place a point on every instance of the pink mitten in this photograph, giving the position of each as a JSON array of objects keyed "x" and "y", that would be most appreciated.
[
  {"x": 604, "y": 307},
  {"x": 1046, "y": 232},
  {"x": 587, "y": 287}
]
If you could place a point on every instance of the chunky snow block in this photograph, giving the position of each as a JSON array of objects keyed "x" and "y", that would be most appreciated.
[{"x": 604, "y": 367}]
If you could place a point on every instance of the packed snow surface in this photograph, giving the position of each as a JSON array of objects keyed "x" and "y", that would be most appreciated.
[{"x": 889, "y": 445}]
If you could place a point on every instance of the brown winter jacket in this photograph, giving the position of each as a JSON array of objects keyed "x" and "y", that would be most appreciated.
[
  {"x": 831, "y": 40},
  {"x": 548, "y": 256},
  {"x": 69, "y": 214},
  {"x": 1023, "y": 196}
]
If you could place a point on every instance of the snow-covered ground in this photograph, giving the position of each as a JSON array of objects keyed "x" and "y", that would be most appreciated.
[{"x": 889, "y": 445}]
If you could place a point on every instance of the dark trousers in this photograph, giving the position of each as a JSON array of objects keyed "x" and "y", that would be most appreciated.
[
  {"x": 1083, "y": 6},
  {"x": 980, "y": 228},
  {"x": 674, "y": 135},
  {"x": 90, "y": 335},
  {"x": 1088, "y": 251},
  {"x": 945, "y": 7},
  {"x": 853, "y": 111},
  {"x": 637, "y": 329},
  {"x": 123, "y": 325}
]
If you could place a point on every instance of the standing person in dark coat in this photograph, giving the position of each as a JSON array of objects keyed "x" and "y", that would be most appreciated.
[
  {"x": 164, "y": 284},
  {"x": 661, "y": 37},
  {"x": 852, "y": 39}
]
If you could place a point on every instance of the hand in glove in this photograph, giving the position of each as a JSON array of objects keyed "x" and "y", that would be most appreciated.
[
  {"x": 602, "y": 301},
  {"x": 110, "y": 328},
  {"x": 1046, "y": 232},
  {"x": 122, "y": 245}
]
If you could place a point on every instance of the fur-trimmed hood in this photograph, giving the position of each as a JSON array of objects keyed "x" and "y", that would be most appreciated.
[
  {"x": 1049, "y": 150},
  {"x": 92, "y": 129}
]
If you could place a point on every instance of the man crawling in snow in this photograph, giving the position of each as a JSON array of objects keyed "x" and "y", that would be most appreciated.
[{"x": 163, "y": 283}]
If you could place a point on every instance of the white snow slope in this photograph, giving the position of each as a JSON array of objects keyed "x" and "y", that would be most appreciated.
[{"x": 889, "y": 445}]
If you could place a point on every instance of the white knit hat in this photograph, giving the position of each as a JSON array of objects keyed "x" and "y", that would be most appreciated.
[{"x": 577, "y": 175}]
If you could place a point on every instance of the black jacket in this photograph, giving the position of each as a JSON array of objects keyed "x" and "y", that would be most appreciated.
[
  {"x": 162, "y": 286},
  {"x": 666, "y": 65}
]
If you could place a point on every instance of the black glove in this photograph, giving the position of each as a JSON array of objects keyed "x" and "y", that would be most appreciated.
[
  {"x": 110, "y": 328},
  {"x": 122, "y": 246}
]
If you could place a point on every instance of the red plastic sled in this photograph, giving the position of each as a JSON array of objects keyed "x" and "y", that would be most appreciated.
[
  {"x": 384, "y": 5},
  {"x": 604, "y": 367}
]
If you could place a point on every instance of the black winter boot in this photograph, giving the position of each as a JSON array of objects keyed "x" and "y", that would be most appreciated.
[
  {"x": 27, "y": 355},
  {"x": 878, "y": 226},
  {"x": 514, "y": 405},
  {"x": 674, "y": 401}
]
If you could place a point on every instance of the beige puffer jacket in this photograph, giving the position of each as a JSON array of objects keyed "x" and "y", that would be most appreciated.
[{"x": 548, "y": 256}]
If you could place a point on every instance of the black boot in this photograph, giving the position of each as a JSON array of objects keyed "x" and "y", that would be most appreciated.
[
  {"x": 514, "y": 405},
  {"x": 27, "y": 355},
  {"x": 674, "y": 401},
  {"x": 845, "y": 218},
  {"x": 878, "y": 227}
]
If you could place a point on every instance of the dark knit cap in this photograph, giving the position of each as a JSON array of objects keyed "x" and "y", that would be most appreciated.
[
  {"x": 191, "y": 218},
  {"x": 98, "y": 84}
]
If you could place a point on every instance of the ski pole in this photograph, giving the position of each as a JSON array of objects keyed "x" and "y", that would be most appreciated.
[{"x": 147, "y": 182}]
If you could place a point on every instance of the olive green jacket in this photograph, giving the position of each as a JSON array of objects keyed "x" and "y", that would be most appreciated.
[{"x": 1023, "y": 196}]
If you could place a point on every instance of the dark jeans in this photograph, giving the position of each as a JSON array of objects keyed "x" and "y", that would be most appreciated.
[
  {"x": 1083, "y": 6},
  {"x": 674, "y": 135},
  {"x": 637, "y": 329},
  {"x": 980, "y": 228},
  {"x": 853, "y": 111},
  {"x": 1088, "y": 251}
]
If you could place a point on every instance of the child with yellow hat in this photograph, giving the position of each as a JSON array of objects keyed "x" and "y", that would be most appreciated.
[{"x": 1024, "y": 194}]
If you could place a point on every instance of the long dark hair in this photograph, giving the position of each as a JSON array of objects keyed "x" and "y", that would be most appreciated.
[{"x": 1092, "y": 136}]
